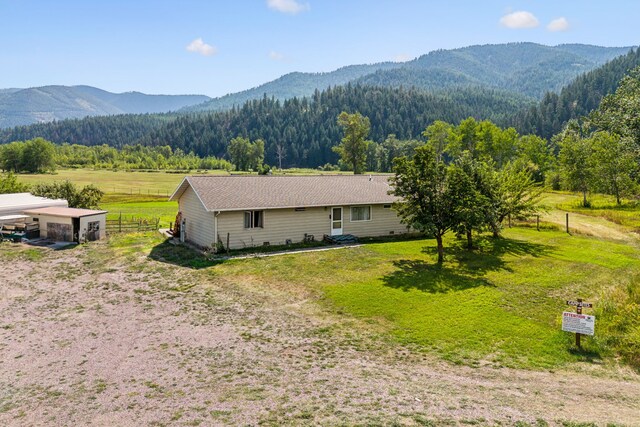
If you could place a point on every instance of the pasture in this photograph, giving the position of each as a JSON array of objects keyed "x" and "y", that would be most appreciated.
[
  {"x": 138, "y": 329},
  {"x": 134, "y": 194}
]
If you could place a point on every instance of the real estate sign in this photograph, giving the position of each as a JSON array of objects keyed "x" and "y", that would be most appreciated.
[{"x": 578, "y": 323}]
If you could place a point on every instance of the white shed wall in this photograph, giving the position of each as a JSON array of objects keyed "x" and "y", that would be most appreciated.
[{"x": 85, "y": 220}]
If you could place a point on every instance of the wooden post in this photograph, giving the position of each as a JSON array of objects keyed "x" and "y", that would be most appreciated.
[
  {"x": 578, "y": 311},
  {"x": 509, "y": 220},
  {"x": 227, "y": 243},
  {"x": 567, "y": 222},
  {"x": 120, "y": 223},
  {"x": 538, "y": 222}
]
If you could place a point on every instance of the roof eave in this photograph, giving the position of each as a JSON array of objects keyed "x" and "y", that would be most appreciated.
[{"x": 267, "y": 208}]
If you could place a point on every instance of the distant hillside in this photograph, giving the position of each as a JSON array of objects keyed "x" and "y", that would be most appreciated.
[
  {"x": 306, "y": 127},
  {"x": 527, "y": 69},
  {"x": 49, "y": 103},
  {"x": 294, "y": 85},
  {"x": 575, "y": 100}
]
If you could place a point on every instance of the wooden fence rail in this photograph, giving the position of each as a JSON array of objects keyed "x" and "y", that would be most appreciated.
[{"x": 122, "y": 225}]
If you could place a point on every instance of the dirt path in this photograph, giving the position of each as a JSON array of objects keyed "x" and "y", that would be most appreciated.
[
  {"x": 590, "y": 226},
  {"x": 90, "y": 338},
  {"x": 584, "y": 224}
]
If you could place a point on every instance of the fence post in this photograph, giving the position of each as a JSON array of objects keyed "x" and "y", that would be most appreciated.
[
  {"x": 120, "y": 223},
  {"x": 538, "y": 222},
  {"x": 567, "y": 222}
]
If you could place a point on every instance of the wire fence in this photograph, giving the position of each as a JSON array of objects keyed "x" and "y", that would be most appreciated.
[{"x": 132, "y": 225}]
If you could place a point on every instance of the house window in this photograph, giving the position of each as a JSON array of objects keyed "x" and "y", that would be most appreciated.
[
  {"x": 254, "y": 219},
  {"x": 386, "y": 206},
  {"x": 361, "y": 213}
]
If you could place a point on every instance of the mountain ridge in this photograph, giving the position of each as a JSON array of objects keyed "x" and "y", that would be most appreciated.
[
  {"x": 56, "y": 102},
  {"x": 442, "y": 69}
]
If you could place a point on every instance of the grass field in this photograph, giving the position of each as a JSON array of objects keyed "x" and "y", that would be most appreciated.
[
  {"x": 155, "y": 334},
  {"x": 134, "y": 194},
  {"x": 118, "y": 182},
  {"x": 153, "y": 183},
  {"x": 500, "y": 305},
  {"x": 145, "y": 207}
]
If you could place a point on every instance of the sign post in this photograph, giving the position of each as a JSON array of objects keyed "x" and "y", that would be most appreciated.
[{"x": 579, "y": 323}]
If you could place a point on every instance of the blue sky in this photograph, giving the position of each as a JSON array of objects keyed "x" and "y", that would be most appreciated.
[{"x": 217, "y": 47}]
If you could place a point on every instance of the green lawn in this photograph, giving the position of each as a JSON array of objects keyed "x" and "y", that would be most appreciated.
[
  {"x": 145, "y": 207},
  {"x": 500, "y": 305}
]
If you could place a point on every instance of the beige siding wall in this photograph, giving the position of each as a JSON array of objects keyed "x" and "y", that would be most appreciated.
[
  {"x": 43, "y": 220},
  {"x": 283, "y": 224},
  {"x": 199, "y": 224},
  {"x": 279, "y": 225},
  {"x": 383, "y": 222}
]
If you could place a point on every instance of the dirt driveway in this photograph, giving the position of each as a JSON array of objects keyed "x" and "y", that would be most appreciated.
[{"x": 91, "y": 337}]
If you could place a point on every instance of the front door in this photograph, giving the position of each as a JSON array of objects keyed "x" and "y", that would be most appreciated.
[{"x": 336, "y": 221}]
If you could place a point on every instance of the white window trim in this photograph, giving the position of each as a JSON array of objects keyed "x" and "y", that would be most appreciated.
[
  {"x": 251, "y": 212},
  {"x": 361, "y": 220}
]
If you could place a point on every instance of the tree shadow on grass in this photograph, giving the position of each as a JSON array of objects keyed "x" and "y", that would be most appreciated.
[
  {"x": 432, "y": 278},
  {"x": 469, "y": 266},
  {"x": 488, "y": 253},
  {"x": 181, "y": 256}
]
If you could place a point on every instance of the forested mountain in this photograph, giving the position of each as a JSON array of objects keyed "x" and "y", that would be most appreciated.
[
  {"x": 576, "y": 99},
  {"x": 293, "y": 85},
  {"x": 49, "y": 103},
  {"x": 305, "y": 127},
  {"x": 116, "y": 130},
  {"x": 525, "y": 68}
]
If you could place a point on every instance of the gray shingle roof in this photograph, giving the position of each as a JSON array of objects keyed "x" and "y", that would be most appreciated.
[{"x": 226, "y": 193}]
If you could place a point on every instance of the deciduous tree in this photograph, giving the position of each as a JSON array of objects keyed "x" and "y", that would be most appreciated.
[
  {"x": 576, "y": 163},
  {"x": 86, "y": 198},
  {"x": 353, "y": 148},
  {"x": 10, "y": 184},
  {"x": 615, "y": 162},
  {"x": 427, "y": 201}
]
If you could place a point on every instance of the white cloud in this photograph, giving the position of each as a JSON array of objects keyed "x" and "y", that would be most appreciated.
[
  {"x": 287, "y": 6},
  {"x": 402, "y": 57},
  {"x": 276, "y": 56},
  {"x": 199, "y": 46},
  {"x": 519, "y": 19},
  {"x": 560, "y": 24}
]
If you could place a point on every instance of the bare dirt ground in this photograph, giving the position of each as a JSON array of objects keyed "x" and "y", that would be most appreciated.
[{"x": 89, "y": 337}]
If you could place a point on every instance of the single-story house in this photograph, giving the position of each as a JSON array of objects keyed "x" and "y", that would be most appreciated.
[
  {"x": 70, "y": 224},
  {"x": 250, "y": 210},
  {"x": 17, "y": 203}
]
